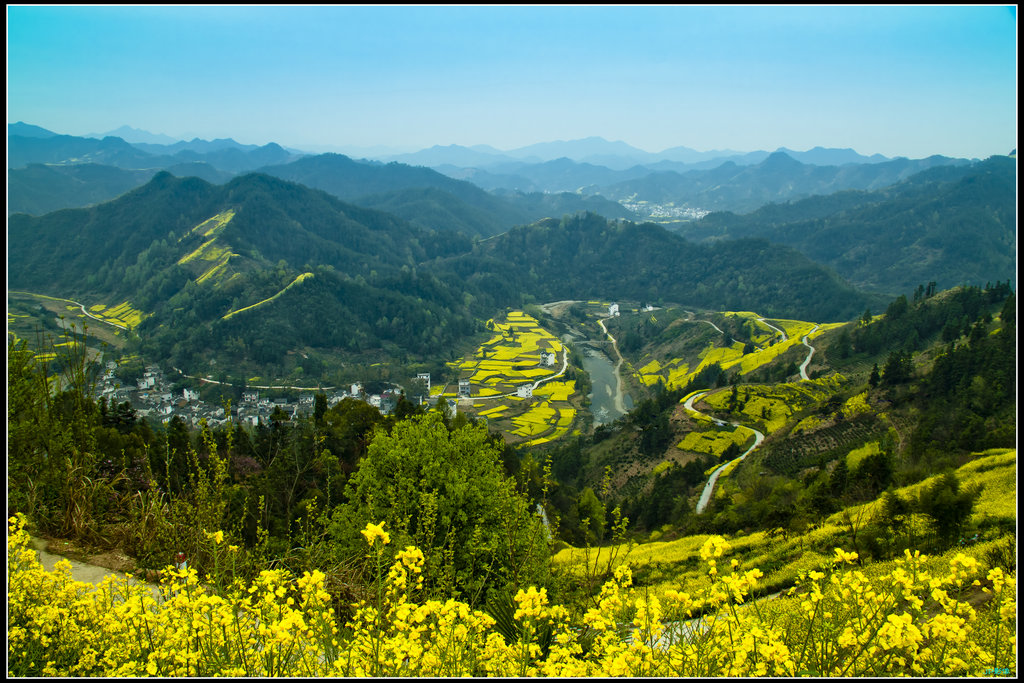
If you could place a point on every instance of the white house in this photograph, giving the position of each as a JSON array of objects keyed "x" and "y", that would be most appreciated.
[
  {"x": 465, "y": 389},
  {"x": 613, "y": 310},
  {"x": 190, "y": 394},
  {"x": 524, "y": 391},
  {"x": 547, "y": 358},
  {"x": 425, "y": 376}
]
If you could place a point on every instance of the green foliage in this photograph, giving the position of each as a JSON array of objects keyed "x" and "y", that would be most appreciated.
[
  {"x": 948, "y": 506},
  {"x": 444, "y": 491},
  {"x": 586, "y": 255},
  {"x": 962, "y": 217},
  {"x": 592, "y": 516}
]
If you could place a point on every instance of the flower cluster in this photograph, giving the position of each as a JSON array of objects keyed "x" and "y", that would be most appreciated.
[{"x": 837, "y": 622}]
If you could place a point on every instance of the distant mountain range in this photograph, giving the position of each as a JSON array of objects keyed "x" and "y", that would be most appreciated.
[
  {"x": 134, "y": 136},
  {"x": 614, "y": 155},
  {"x": 475, "y": 200},
  {"x": 114, "y": 151}
]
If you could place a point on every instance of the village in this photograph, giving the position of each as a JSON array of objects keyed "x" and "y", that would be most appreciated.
[{"x": 154, "y": 397}]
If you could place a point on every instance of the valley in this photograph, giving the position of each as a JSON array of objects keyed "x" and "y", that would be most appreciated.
[
  {"x": 534, "y": 389},
  {"x": 417, "y": 341}
]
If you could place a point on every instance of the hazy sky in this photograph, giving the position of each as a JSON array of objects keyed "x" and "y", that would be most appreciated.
[{"x": 900, "y": 81}]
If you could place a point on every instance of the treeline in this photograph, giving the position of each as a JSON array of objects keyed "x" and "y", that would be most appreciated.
[{"x": 911, "y": 325}]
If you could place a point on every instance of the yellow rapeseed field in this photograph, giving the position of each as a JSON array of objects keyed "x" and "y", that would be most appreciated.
[{"x": 837, "y": 621}]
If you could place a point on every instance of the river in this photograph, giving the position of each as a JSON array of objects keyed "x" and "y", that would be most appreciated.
[{"x": 607, "y": 401}]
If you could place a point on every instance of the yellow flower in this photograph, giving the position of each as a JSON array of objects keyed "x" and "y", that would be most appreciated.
[
  {"x": 374, "y": 531},
  {"x": 843, "y": 556},
  {"x": 531, "y": 603}
]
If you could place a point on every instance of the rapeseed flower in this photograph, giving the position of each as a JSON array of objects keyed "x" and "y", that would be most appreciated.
[{"x": 372, "y": 532}]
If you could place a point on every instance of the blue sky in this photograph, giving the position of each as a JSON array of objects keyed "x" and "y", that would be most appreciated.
[{"x": 899, "y": 81}]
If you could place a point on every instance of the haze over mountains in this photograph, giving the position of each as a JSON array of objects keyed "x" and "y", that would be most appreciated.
[
  {"x": 678, "y": 177},
  {"x": 194, "y": 231}
]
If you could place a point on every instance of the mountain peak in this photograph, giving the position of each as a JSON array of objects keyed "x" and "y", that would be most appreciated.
[
  {"x": 133, "y": 135},
  {"x": 27, "y": 130},
  {"x": 780, "y": 159}
]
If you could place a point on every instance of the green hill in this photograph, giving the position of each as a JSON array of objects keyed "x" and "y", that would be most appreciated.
[
  {"x": 378, "y": 282},
  {"x": 950, "y": 225},
  {"x": 587, "y": 256}
]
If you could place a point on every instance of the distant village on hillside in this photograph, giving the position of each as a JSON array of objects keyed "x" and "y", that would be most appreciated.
[{"x": 154, "y": 398}]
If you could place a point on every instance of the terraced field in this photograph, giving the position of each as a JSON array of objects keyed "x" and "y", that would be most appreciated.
[
  {"x": 660, "y": 565},
  {"x": 511, "y": 387},
  {"x": 123, "y": 314},
  {"x": 675, "y": 373},
  {"x": 209, "y": 261},
  {"x": 774, "y": 406}
]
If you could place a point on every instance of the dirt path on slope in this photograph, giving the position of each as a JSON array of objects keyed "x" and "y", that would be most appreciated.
[{"x": 84, "y": 567}]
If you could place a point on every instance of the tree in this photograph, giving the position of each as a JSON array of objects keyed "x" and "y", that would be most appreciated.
[
  {"x": 319, "y": 407},
  {"x": 898, "y": 368},
  {"x": 444, "y": 491},
  {"x": 948, "y": 506},
  {"x": 591, "y": 514}
]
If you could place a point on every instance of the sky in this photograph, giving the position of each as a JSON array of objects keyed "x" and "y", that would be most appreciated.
[{"x": 898, "y": 81}]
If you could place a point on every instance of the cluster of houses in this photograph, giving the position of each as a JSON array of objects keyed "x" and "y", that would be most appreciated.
[
  {"x": 655, "y": 210},
  {"x": 154, "y": 398}
]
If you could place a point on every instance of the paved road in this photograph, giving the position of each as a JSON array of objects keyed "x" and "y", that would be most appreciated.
[
  {"x": 781, "y": 332},
  {"x": 807, "y": 361},
  {"x": 705, "y": 496},
  {"x": 76, "y": 303}
]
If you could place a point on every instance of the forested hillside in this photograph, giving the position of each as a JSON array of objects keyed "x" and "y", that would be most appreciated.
[
  {"x": 584, "y": 256},
  {"x": 952, "y": 225},
  {"x": 259, "y": 267}
]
